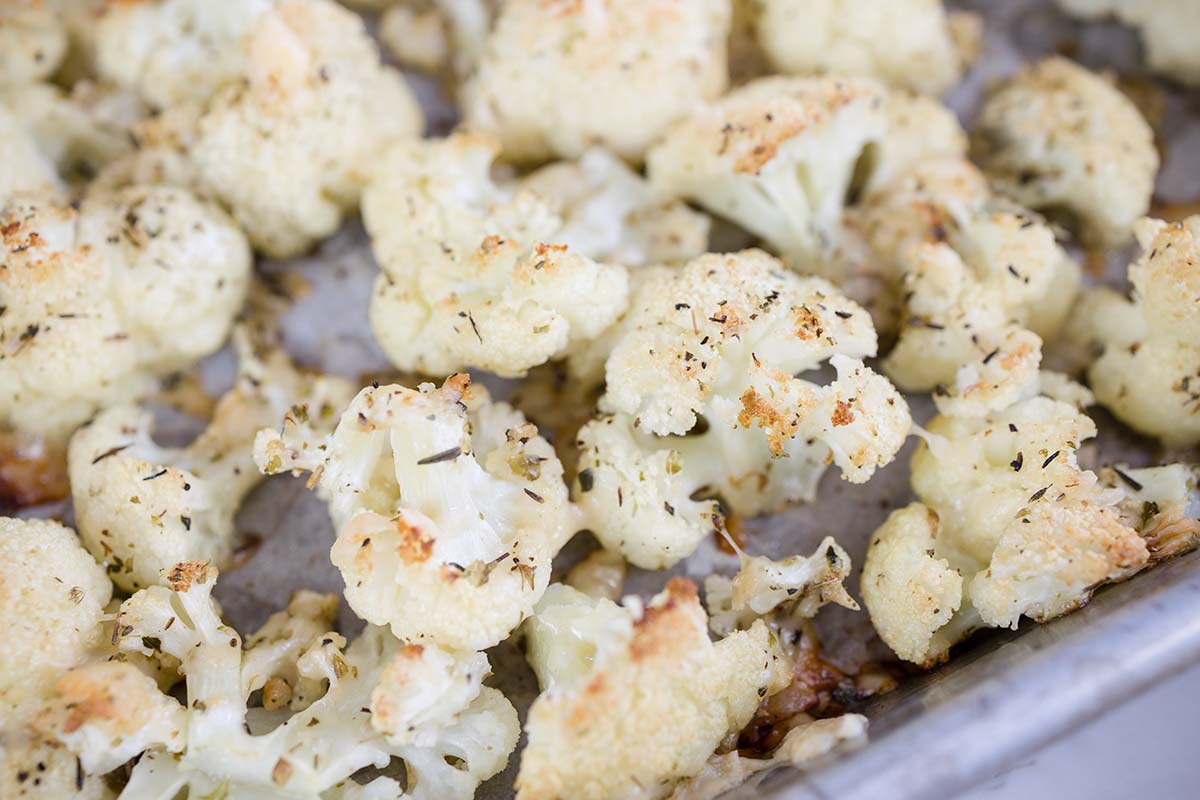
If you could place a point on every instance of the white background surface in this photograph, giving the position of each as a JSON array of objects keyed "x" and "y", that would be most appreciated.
[{"x": 1146, "y": 749}]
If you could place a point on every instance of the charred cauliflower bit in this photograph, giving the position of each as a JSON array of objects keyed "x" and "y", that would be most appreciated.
[
  {"x": 1058, "y": 137},
  {"x": 1148, "y": 370},
  {"x": 796, "y": 587},
  {"x": 141, "y": 508},
  {"x": 909, "y": 43},
  {"x": 778, "y": 157},
  {"x": 701, "y": 402},
  {"x": 558, "y": 76},
  {"x": 449, "y": 508},
  {"x": 597, "y": 729},
  {"x": 1167, "y": 27},
  {"x": 1007, "y": 526},
  {"x": 474, "y": 275},
  {"x": 52, "y": 598},
  {"x": 102, "y": 302},
  {"x": 383, "y": 700}
]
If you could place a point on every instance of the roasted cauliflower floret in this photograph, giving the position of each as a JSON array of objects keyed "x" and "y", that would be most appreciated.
[
  {"x": 644, "y": 63},
  {"x": 1148, "y": 369},
  {"x": 175, "y": 51},
  {"x": 52, "y": 595},
  {"x": 794, "y": 588},
  {"x": 777, "y": 156},
  {"x": 472, "y": 274},
  {"x": 24, "y": 167},
  {"x": 610, "y": 213},
  {"x": 909, "y": 43},
  {"x": 33, "y": 41},
  {"x": 1008, "y": 525},
  {"x": 383, "y": 700},
  {"x": 103, "y": 301},
  {"x": 1059, "y": 138},
  {"x": 1167, "y": 27},
  {"x": 597, "y": 732},
  {"x": 1161, "y": 503},
  {"x": 701, "y": 403},
  {"x": 142, "y": 508},
  {"x": 439, "y": 36},
  {"x": 449, "y": 508},
  {"x": 52, "y": 598},
  {"x": 289, "y": 148}
]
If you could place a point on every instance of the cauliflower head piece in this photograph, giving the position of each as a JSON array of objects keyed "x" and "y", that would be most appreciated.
[
  {"x": 33, "y": 41},
  {"x": 105, "y": 300},
  {"x": 1008, "y": 525},
  {"x": 289, "y": 148},
  {"x": 795, "y": 588},
  {"x": 52, "y": 600},
  {"x": 913, "y": 43},
  {"x": 175, "y": 51},
  {"x": 777, "y": 156},
  {"x": 474, "y": 275},
  {"x": 446, "y": 37},
  {"x": 645, "y": 64},
  {"x": 597, "y": 729},
  {"x": 1167, "y": 29},
  {"x": 701, "y": 403},
  {"x": 1148, "y": 369},
  {"x": 449, "y": 508},
  {"x": 142, "y": 508},
  {"x": 373, "y": 702},
  {"x": 1057, "y": 137}
]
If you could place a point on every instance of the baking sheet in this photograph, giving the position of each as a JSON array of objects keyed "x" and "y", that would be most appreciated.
[{"x": 1001, "y": 696}]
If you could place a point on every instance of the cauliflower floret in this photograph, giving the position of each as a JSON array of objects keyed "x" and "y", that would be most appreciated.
[
  {"x": 1167, "y": 27},
  {"x": 701, "y": 402},
  {"x": 1148, "y": 370},
  {"x": 103, "y": 301},
  {"x": 1058, "y": 137},
  {"x": 600, "y": 731},
  {"x": 175, "y": 51},
  {"x": 609, "y": 213},
  {"x": 141, "y": 508},
  {"x": 918, "y": 128},
  {"x": 1162, "y": 504},
  {"x": 600, "y": 574},
  {"x": 796, "y": 587},
  {"x": 162, "y": 144},
  {"x": 33, "y": 41},
  {"x": 644, "y": 63},
  {"x": 801, "y": 746},
  {"x": 52, "y": 140},
  {"x": 290, "y": 148},
  {"x": 778, "y": 156},
  {"x": 473, "y": 275},
  {"x": 52, "y": 598},
  {"x": 909, "y": 43},
  {"x": 1007, "y": 525},
  {"x": 24, "y": 168},
  {"x": 449, "y": 508},
  {"x": 52, "y": 595},
  {"x": 376, "y": 708},
  {"x": 447, "y": 36}
]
